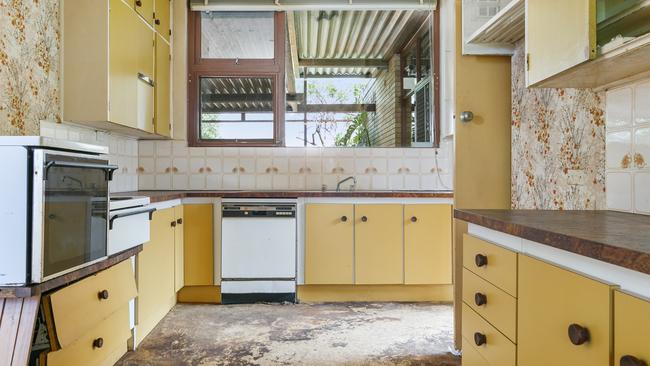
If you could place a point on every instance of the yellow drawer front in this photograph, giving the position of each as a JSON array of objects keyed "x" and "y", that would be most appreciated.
[
  {"x": 113, "y": 331},
  {"x": 493, "y": 304},
  {"x": 79, "y": 307},
  {"x": 471, "y": 357},
  {"x": 554, "y": 302},
  {"x": 631, "y": 329},
  {"x": 497, "y": 349},
  {"x": 499, "y": 265}
]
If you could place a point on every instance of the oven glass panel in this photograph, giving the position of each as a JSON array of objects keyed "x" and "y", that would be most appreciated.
[{"x": 76, "y": 208}]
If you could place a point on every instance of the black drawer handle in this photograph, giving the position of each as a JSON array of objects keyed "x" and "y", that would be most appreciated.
[
  {"x": 103, "y": 295},
  {"x": 179, "y": 221},
  {"x": 173, "y": 223},
  {"x": 149, "y": 211},
  {"x": 98, "y": 343},
  {"x": 414, "y": 219},
  {"x": 480, "y": 299},
  {"x": 364, "y": 218},
  {"x": 628, "y": 360},
  {"x": 157, "y": 21},
  {"x": 481, "y": 260},
  {"x": 138, "y": 3},
  {"x": 578, "y": 334},
  {"x": 344, "y": 218},
  {"x": 480, "y": 339}
]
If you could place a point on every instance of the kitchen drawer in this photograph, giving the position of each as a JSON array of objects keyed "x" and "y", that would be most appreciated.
[
  {"x": 563, "y": 317},
  {"x": 471, "y": 357},
  {"x": 113, "y": 332},
  {"x": 631, "y": 330},
  {"x": 499, "y": 309},
  {"x": 493, "y": 263},
  {"x": 79, "y": 307},
  {"x": 497, "y": 348}
]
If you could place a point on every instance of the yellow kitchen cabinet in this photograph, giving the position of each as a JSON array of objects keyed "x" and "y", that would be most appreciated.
[
  {"x": 491, "y": 262},
  {"x": 179, "y": 248},
  {"x": 329, "y": 244},
  {"x": 162, "y": 18},
  {"x": 163, "y": 88},
  {"x": 145, "y": 73},
  {"x": 563, "y": 317},
  {"x": 427, "y": 244},
  {"x": 631, "y": 330},
  {"x": 198, "y": 245},
  {"x": 155, "y": 273},
  {"x": 145, "y": 9},
  {"x": 549, "y": 54},
  {"x": 378, "y": 241},
  {"x": 471, "y": 357},
  {"x": 491, "y": 344}
]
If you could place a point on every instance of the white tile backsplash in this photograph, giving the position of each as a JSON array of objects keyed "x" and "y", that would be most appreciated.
[{"x": 628, "y": 148}]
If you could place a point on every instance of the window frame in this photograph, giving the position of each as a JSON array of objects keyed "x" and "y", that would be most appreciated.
[{"x": 199, "y": 67}]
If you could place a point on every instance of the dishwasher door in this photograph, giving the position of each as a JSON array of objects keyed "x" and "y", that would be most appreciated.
[{"x": 258, "y": 248}]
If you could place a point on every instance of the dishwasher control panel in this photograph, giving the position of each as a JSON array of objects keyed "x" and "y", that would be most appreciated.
[{"x": 258, "y": 210}]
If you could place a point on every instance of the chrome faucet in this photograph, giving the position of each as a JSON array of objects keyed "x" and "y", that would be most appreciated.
[{"x": 354, "y": 183}]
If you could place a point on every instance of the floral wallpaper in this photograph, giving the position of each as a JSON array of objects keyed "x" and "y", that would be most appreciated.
[
  {"x": 29, "y": 65},
  {"x": 558, "y": 145}
]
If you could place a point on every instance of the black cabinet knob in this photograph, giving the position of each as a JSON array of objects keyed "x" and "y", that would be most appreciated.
[
  {"x": 98, "y": 343},
  {"x": 179, "y": 221},
  {"x": 157, "y": 21},
  {"x": 173, "y": 223},
  {"x": 481, "y": 260},
  {"x": 103, "y": 294},
  {"x": 480, "y": 299},
  {"x": 414, "y": 219},
  {"x": 364, "y": 219},
  {"x": 344, "y": 218},
  {"x": 578, "y": 334},
  {"x": 480, "y": 339},
  {"x": 628, "y": 360},
  {"x": 138, "y": 3}
]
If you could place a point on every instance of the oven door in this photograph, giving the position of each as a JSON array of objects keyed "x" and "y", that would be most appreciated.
[{"x": 70, "y": 210}]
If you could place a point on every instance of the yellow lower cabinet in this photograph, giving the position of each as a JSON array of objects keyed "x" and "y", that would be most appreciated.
[
  {"x": 495, "y": 264},
  {"x": 493, "y": 304},
  {"x": 563, "y": 318},
  {"x": 493, "y": 346},
  {"x": 378, "y": 240},
  {"x": 102, "y": 345},
  {"x": 329, "y": 244},
  {"x": 198, "y": 251},
  {"x": 427, "y": 244},
  {"x": 471, "y": 357},
  {"x": 179, "y": 240},
  {"x": 631, "y": 330}
]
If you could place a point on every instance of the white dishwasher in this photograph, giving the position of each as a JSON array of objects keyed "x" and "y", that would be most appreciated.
[{"x": 258, "y": 252}]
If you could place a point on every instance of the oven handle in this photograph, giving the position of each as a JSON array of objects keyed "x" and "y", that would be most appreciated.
[
  {"x": 107, "y": 168},
  {"x": 150, "y": 211}
]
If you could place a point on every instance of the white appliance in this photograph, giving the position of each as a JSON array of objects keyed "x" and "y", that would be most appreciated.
[
  {"x": 258, "y": 251},
  {"x": 128, "y": 224},
  {"x": 53, "y": 207}
]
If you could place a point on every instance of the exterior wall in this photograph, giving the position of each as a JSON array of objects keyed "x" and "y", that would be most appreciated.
[
  {"x": 558, "y": 145},
  {"x": 29, "y": 65},
  {"x": 384, "y": 125}
]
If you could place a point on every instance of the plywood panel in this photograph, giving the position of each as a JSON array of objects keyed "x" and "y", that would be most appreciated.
[
  {"x": 199, "y": 245},
  {"x": 17, "y": 319}
]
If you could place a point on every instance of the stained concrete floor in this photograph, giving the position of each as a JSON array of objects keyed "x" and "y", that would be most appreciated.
[{"x": 405, "y": 334}]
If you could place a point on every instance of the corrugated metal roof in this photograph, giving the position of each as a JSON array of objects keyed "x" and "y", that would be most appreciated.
[{"x": 225, "y": 94}]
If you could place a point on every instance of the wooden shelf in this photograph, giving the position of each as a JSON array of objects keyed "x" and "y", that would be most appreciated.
[{"x": 506, "y": 27}]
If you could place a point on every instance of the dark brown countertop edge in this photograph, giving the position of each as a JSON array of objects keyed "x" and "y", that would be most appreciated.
[
  {"x": 161, "y": 196},
  {"x": 622, "y": 257},
  {"x": 81, "y": 273}
]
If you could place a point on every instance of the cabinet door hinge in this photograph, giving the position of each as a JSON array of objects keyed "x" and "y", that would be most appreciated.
[{"x": 528, "y": 62}]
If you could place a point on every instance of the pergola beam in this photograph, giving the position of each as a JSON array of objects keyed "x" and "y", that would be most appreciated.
[
  {"x": 311, "y": 108},
  {"x": 343, "y": 63}
]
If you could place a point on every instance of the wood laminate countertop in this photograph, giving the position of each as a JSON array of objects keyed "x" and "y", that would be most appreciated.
[
  {"x": 618, "y": 238},
  {"x": 160, "y": 196}
]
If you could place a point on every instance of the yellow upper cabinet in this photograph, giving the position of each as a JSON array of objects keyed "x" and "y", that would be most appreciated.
[
  {"x": 162, "y": 18},
  {"x": 563, "y": 318},
  {"x": 329, "y": 244},
  {"x": 631, "y": 330},
  {"x": 560, "y": 34},
  {"x": 163, "y": 88},
  {"x": 378, "y": 240},
  {"x": 145, "y": 74},
  {"x": 145, "y": 9},
  {"x": 427, "y": 244}
]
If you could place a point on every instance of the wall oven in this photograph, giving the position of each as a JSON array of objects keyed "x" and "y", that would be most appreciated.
[{"x": 64, "y": 197}]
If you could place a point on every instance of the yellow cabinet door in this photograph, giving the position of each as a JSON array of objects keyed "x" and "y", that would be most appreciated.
[
  {"x": 145, "y": 74},
  {"x": 155, "y": 273},
  {"x": 199, "y": 245},
  {"x": 488, "y": 341},
  {"x": 491, "y": 262},
  {"x": 179, "y": 239},
  {"x": 471, "y": 357},
  {"x": 123, "y": 64},
  {"x": 631, "y": 330},
  {"x": 378, "y": 242},
  {"x": 427, "y": 244},
  {"x": 162, "y": 21},
  {"x": 163, "y": 90},
  {"x": 549, "y": 54},
  {"x": 145, "y": 9},
  {"x": 563, "y": 317},
  {"x": 329, "y": 244}
]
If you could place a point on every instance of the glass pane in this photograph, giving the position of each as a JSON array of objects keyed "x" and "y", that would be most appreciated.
[
  {"x": 425, "y": 56},
  {"x": 236, "y": 108},
  {"x": 231, "y": 35}
]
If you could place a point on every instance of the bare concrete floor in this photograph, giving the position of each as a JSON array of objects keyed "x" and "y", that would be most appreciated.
[{"x": 304, "y": 334}]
